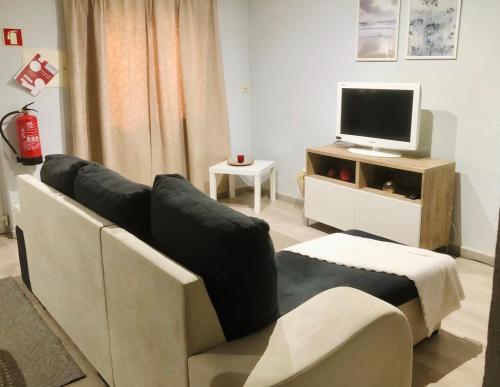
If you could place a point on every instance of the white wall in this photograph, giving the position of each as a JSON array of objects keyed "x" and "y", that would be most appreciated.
[
  {"x": 41, "y": 22},
  {"x": 300, "y": 49},
  {"x": 235, "y": 45}
]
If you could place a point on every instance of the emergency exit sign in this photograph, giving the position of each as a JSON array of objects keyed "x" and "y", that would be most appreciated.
[{"x": 12, "y": 37}]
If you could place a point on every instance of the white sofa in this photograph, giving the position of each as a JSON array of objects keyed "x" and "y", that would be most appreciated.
[{"x": 143, "y": 320}]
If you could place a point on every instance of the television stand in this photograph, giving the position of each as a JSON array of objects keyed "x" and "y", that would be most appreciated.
[
  {"x": 416, "y": 212},
  {"x": 375, "y": 152}
]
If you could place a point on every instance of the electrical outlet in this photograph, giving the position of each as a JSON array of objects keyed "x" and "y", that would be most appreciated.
[{"x": 244, "y": 89}]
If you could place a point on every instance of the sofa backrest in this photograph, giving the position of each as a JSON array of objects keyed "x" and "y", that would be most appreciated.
[
  {"x": 64, "y": 260},
  {"x": 159, "y": 313},
  {"x": 124, "y": 202},
  {"x": 232, "y": 252},
  {"x": 59, "y": 171},
  {"x": 99, "y": 282}
]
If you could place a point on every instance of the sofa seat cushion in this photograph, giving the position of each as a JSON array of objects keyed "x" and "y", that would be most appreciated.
[
  {"x": 123, "y": 202},
  {"x": 232, "y": 252},
  {"x": 59, "y": 172},
  {"x": 301, "y": 278}
]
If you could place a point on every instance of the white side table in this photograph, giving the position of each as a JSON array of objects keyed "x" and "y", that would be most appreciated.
[{"x": 258, "y": 169}]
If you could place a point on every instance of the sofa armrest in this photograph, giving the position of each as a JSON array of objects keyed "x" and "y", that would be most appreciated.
[
  {"x": 341, "y": 337},
  {"x": 159, "y": 313}
]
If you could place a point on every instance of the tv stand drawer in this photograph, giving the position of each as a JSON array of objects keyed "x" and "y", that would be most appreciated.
[
  {"x": 387, "y": 217},
  {"x": 329, "y": 203}
]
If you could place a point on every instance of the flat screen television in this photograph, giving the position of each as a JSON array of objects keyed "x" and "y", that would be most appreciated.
[{"x": 379, "y": 115}]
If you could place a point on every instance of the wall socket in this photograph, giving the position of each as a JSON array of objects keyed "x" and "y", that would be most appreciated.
[{"x": 245, "y": 89}]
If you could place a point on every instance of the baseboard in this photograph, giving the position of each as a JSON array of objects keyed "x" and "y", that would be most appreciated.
[
  {"x": 239, "y": 190},
  {"x": 265, "y": 191},
  {"x": 453, "y": 249},
  {"x": 290, "y": 199},
  {"x": 472, "y": 254}
]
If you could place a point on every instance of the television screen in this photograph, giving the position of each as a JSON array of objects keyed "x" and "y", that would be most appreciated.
[{"x": 377, "y": 113}]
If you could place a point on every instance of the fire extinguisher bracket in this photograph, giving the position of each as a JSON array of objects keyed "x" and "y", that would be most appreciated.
[{"x": 30, "y": 150}]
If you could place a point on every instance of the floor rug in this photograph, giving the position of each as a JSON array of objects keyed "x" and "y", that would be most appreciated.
[{"x": 30, "y": 354}]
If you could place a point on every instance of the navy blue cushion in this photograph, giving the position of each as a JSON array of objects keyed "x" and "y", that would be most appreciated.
[
  {"x": 123, "y": 202},
  {"x": 59, "y": 171},
  {"x": 232, "y": 252}
]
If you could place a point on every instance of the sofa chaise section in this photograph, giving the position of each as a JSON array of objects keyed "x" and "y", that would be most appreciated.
[{"x": 300, "y": 278}]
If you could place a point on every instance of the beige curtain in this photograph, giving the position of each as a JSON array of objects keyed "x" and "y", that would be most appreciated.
[{"x": 147, "y": 87}]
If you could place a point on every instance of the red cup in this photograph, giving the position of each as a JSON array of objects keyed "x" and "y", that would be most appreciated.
[{"x": 240, "y": 158}]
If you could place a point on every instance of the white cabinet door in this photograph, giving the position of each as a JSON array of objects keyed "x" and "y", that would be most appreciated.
[
  {"x": 329, "y": 203},
  {"x": 387, "y": 217}
]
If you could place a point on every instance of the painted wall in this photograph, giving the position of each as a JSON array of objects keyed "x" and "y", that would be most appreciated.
[
  {"x": 42, "y": 28},
  {"x": 300, "y": 49},
  {"x": 235, "y": 45}
]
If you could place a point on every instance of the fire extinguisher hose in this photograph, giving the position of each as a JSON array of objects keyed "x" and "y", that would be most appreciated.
[{"x": 3, "y": 134}]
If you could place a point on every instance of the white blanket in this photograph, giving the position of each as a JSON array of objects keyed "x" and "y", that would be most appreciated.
[{"x": 435, "y": 275}]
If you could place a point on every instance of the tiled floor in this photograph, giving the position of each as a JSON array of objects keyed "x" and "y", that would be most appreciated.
[{"x": 454, "y": 357}]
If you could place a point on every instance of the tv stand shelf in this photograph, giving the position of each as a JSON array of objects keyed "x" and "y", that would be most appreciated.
[{"x": 417, "y": 213}]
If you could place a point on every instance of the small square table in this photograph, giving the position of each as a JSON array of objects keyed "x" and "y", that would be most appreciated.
[{"x": 258, "y": 169}]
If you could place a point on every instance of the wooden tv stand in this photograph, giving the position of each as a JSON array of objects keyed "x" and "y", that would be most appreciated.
[{"x": 361, "y": 204}]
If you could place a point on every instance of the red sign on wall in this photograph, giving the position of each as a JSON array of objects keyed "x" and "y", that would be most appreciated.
[
  {"x": 36, "y": 74},
  {"x": 12, "y": 37}
]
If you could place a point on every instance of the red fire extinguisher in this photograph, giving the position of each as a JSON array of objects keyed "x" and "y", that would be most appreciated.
[{"x": 30, "y": 149}]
